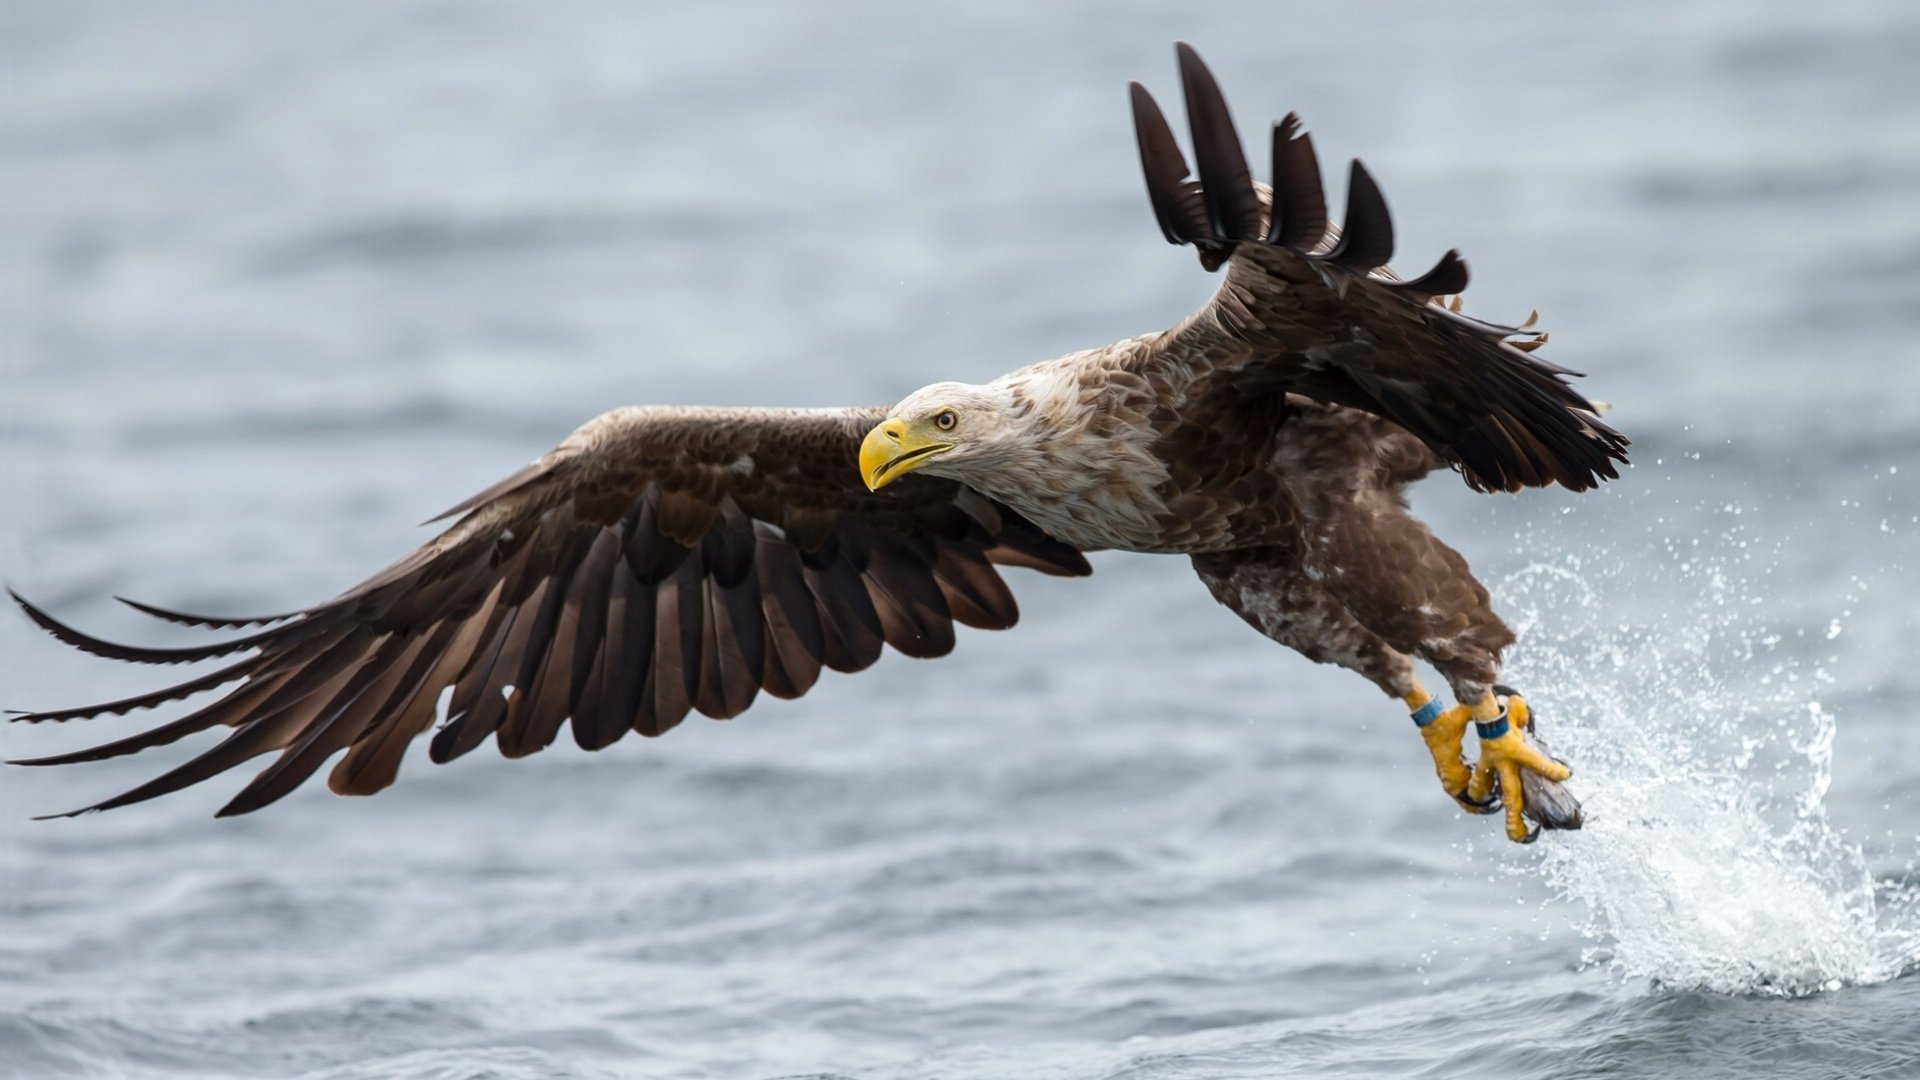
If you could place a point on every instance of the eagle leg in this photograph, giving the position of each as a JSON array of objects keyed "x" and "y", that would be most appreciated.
[
  {"x": 1513, "y": 770},
  {"x": 1274, "y": 592},
  {"x": 1444, "y": 732}
]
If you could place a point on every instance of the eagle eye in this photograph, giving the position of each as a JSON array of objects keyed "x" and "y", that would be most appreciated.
[{"x": 945, "y": 420}]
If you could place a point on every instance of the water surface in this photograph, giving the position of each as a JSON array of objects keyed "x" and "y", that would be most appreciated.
[{"x": 281, "y": 280}]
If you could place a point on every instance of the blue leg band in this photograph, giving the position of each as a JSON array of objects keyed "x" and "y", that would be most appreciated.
[
  {"x": 1494, "y": 728},
  {"x": 1426, "y": 714}
]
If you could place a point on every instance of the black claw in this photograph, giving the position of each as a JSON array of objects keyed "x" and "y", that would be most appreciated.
[
  {"x": 1530, "y": 837},
  {"x": 1476, "y": 806}
]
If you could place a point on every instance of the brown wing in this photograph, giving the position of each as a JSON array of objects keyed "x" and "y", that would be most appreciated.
[
  {"x": 659, "y": 561},
  {"x": 1312, "y": 310}
]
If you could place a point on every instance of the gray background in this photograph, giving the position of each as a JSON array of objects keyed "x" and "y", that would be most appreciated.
[{"x": 281, "y": 280}]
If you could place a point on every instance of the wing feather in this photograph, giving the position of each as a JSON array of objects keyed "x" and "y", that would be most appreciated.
[
  {"x": 373, "y": 762},
  {"x": 661, "y": 561},
  {"x": 795, "y": 641},
  {"x": 1226, "y": 185},
  {"x": 1296, "y": 315},
  {"x": 1366, "y": 234},
  {"x": 678, "y": 622},
  {"x": 328, "y": 724},
  {"x": 602, "y": 708},
  {"x": 1300, "y": 222}
]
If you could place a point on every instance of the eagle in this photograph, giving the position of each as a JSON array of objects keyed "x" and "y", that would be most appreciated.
[{"x": 666, "y": 560}]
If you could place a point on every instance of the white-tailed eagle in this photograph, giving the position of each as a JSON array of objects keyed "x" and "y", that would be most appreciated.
[{"x": 664, "y": 560}]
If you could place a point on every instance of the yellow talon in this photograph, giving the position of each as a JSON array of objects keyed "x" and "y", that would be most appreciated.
[
  {"x": 1502, "y": 760},
  {"x": 1511, "y": 769},
  {"x": 1443, "y": 736}
]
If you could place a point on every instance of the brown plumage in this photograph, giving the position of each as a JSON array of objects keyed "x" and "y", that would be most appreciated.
[{"x": 662, "y": 561}]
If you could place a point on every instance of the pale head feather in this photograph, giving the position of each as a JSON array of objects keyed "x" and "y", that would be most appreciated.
[
  {"x": 1027, "y": 439},
  {"x": 992, "y": 434}
]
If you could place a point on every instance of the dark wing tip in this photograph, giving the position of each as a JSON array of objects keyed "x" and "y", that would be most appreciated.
[
  {"x": 1448, "y": 276},
  {"x": 1165, "y": 169},
  {"x": 70, "y": 758},
  {"x": 1366, "y": 238},
  {"x": 1226, "y": 184},
  {"x": 112, "y": 650},
  {"x": 85, "y": 642},
  {"x": 237, "y": 807},
  {"x": 1299, "y": 220},
  {"x": 212, "y": 622}
]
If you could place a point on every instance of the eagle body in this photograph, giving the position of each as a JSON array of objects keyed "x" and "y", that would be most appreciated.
[
  {"x": 1089, "y": 466},
  {"x": 1293, "y": 510},
  {"x": 665, "y": 560}
]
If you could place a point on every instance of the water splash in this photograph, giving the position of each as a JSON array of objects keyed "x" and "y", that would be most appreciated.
[{"x": 1705, "y": 757}]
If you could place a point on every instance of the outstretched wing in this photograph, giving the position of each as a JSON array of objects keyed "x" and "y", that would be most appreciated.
[
  {"x": 659, "y": 561},
  {"x": 1312, "y": 310}
]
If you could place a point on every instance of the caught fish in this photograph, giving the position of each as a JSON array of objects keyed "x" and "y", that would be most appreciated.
[{"x": 1548, "y": 802}]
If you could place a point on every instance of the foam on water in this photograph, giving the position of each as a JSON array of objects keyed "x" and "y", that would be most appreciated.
[{"x": 1704, "y": 756}]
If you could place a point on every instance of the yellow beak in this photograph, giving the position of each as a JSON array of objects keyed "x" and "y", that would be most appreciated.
[{"x": 892, "y": 450}]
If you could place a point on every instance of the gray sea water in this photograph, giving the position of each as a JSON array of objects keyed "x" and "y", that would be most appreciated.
[{"x": 282, "y": 279}]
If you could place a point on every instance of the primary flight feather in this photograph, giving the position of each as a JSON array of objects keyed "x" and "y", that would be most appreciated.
[{"x": 664, "y": 560}]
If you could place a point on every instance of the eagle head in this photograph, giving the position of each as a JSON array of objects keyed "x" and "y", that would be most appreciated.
[{"x": 950, "y": 429}]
